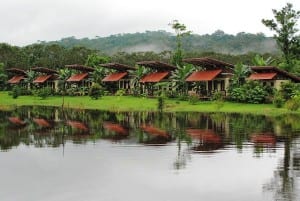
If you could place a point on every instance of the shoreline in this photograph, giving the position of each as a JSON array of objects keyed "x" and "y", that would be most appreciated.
[{"x": 130, "y": 103}]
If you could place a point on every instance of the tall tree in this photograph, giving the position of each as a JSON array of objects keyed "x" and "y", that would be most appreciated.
[
  {"x": 180, "y": 30},
  {"x": 179, "y": 76},
  {"x": 284, "y": 25},
  {"x": 94, "y": 60},
  {"x": 3, "y": 76}
]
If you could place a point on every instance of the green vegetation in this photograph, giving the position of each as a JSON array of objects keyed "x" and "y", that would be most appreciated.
[
  {"x": 95, "y": 91},
  {"x": 285, "y": 27},
  {"x": 181, "y": 32},
  {"x": 129, "y": 103}
]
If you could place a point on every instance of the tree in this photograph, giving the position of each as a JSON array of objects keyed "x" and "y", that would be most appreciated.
[
  {"x": 3, "y": 76},
  {"x": 94, "y": 60},
  {"x": 179, "y": 76},
  {"x": 259, "y": 60},
  {"x": 31, "y": 75},
  {"x": 284, "y": 25},
  {"x": 180, "y": 30},
  {"x": 63, "y": 75},
  {"x": 241, "y": 72},
  {"x": 137, "y": 76}
]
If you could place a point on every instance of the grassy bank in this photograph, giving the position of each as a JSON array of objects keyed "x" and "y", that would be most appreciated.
[{"x": 128, "y": 103}]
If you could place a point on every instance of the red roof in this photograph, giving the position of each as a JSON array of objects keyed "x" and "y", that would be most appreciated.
[
  {"x": 16, "y": 79},
  {"x": 154, "y": 77},
  {"x": 267, "y": 139},
  {"x": 203, "y": 75},
  {"x": 262, "y": 76},
  {"x": 78, "y": 125},
  {"x": 114, "y": 77},
  {"x": 42, "y": 78},
  {"x": 77, "y": 77},
  {"x": 115, "y": 127}
]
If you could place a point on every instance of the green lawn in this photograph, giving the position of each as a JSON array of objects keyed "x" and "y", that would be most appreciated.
[{"x": 128, "y": 103}]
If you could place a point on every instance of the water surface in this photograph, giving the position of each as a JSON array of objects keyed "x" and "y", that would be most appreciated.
[{"x": 49, "y": 154}]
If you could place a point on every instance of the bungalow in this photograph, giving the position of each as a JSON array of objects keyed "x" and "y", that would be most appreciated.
[
  {"x": 273, "y": 76},
  {"x": 213, "y": 77},
  {"x": 161, "y": 72},
  {"x": 47, "y": 77},
  {"x": 120, "y": 79},
  {"x": 18, "y": 76},
  {"x": 82, "y": 79}
]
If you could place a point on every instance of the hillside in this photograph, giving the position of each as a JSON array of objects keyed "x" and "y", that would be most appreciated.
[{"x": 158, "y": 41}]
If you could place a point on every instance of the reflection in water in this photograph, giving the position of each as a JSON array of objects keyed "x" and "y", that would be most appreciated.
[{"x": 193, "y": 135}]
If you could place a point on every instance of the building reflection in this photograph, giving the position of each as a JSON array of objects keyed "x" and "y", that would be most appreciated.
[{"x": 114, "y": 131}]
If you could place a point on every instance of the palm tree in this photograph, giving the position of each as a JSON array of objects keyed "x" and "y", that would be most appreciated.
[
  {"x": 179, "y": 76},
  {"x": 241, "y": 72},
  {"x": 137, "y": 76},
  {"x": 29, "y": 78},
  {"x": 63, "y": 75},
  {"x": 98, "y": 74},
  {"x": 258, "y": 60}
]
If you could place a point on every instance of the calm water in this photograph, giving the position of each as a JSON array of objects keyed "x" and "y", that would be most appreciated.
[{"x": 53, "y": 155}]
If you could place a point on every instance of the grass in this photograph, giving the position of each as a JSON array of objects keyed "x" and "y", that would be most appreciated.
[{"x": 129, "y": 103}]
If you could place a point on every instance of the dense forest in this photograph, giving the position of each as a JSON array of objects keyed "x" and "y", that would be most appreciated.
[
  {"x": 130, "y": 48},
  {"x": 159, "y": 41}
]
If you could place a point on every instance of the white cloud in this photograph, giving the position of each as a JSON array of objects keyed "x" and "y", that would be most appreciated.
[{"x": 26, "y": 21}]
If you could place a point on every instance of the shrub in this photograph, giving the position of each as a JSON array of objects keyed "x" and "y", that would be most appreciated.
[
  {"x": 183, "y": 97},
  {"x": 278, "y": 100},
  {"x": 95, "y": 91},
  {"x": 44, "y": 92},
  {"x": 15, "y": 92},
  {"x": 160, "y": 104},
  {"x": 288, "y": 90},
  {"x": 193, "y": 99},
  {"x": 171, "y": 94},
  {"x": 250, "y": 92},
  {"x": 293, "y": 104},
  {"x": 120, "y": 92},
  {"x": 217, "y": 96}
]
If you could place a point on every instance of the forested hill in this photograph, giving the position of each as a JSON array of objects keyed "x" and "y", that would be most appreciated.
[{"x": 158, "y": 41}]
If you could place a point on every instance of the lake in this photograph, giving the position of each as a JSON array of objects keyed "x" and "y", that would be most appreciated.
[{"x": 53, "y": 155}]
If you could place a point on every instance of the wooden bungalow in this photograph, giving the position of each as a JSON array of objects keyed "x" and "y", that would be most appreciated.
[
  {"x": 17, "y": 76},
  {"x": 161, "y": 72},
  {"x": 213, "y": 77},
  {"x": 82, "y": 79},
  {"x": 47, "y": 77},
  {"x": 272, "y": 76},
  {"x": 120, "y": 79}
]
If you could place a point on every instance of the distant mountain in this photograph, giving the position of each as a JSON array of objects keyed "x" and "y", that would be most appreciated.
[{"x": 158, "y": 41}]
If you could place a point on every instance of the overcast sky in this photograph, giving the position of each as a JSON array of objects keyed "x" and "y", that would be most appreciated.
[{"x": 27, "y": 21}]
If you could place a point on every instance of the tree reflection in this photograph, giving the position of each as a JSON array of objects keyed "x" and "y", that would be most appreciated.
[{"x": 283, "y": 185}]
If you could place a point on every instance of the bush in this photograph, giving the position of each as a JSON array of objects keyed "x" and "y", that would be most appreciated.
[
  {"x": 250, "y": 92},
  {"x": 44, "y": 92},
  {"x": 15, "y": 92},
  {"x": 193, "y": 99},
  {"x": 171, "y": 94},
  {"x": 183, "y": 97},
  {"x": 120, "y": 92},
  {"x": 293, "y": 104},
  {"x": 278, "y": 100},
  {"x": 288, "y": 90},
  {"x": 160, "y": 104},
  {"x": 95, "y": 91},
  {"x": 217, "y": 96}
]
